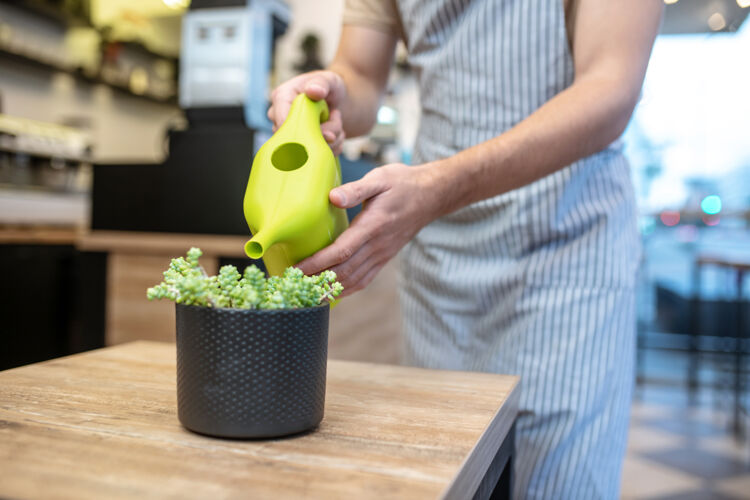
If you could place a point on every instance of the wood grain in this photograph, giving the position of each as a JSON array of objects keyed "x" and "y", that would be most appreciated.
[
  {"x": 37, "y": 235},
  {"x": 136, "y": 261},
  {"x": 103, "y": 425},
  {"x": 170, "y": 244},
  {"x": 130, "y": 315}
]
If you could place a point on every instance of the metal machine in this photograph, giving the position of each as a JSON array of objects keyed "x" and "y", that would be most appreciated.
[
  {"x": 226, "y": 60},
  {"x": 227, "y": 54}
]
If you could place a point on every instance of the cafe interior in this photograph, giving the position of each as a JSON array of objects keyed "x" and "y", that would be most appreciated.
[{"x": 127, "y": 133}]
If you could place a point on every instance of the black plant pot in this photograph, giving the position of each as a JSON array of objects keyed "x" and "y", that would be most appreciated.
[{"x": 251, "y": 373}]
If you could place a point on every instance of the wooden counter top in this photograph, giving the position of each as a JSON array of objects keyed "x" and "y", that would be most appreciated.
[
  {"x": 124, "y": 242},
  {"x": 15, "y": 234},
  {"x": 170, "y": 244},
  {"x": 103, "y": 425}
]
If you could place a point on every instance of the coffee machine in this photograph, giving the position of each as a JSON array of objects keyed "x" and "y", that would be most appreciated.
[{"x": 225, "y": 65}]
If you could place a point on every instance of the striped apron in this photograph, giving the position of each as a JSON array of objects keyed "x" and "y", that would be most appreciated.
[{"x": 538, "y": 281}]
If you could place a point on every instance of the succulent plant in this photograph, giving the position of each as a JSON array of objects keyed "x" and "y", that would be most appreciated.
[{"x": 186, "y": 282}]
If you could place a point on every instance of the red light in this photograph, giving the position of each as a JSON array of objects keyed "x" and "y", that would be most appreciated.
[
  {"x": 710, "y": 220},
  {"x": 670, "y": 218}
]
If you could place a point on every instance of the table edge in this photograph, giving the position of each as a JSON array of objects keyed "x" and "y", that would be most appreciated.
[
  {"x": 478, "y": 460},
  {"x": 471, "y": 470},
  {"x": 160, "y": 243}
]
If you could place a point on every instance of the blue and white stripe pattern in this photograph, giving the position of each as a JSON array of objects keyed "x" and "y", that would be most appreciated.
[{"x": 538, "y": 281}]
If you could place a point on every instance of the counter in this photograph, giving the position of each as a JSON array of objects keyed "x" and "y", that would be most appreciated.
[
  {"x": 103, "y": 424},
  {"x": 90, "y": 291}
]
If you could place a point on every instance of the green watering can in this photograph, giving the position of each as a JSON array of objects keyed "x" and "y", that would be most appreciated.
[{"x": 286, "y": 202}]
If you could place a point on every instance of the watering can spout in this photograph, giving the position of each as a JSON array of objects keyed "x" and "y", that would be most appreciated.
[{"x": 258, "y": 244}]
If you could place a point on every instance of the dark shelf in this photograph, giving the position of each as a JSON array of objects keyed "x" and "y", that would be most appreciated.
[
  {"x": 30, "y": 61},
  {"x": 4, "y": 148},
  {"x": 141, "y": 47},
  {"x": 49, "y": 11}
]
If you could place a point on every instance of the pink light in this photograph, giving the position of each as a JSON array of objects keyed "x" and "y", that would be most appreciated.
[
  {"x": 711, "y": 220},
  {"x": 670, "y": 218}
]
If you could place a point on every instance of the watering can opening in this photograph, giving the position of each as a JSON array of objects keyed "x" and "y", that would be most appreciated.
[
  {"x": 289, "y": 156},
  {"x": 254, "y": 250}
]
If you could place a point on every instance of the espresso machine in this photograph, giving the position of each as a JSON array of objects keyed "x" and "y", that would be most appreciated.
[{"x": 226, "y": 61}]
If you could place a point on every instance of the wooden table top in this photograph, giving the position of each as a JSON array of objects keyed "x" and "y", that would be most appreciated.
[
  {"x": 736, "y": 262},
  {"x": 103, "y": 424},
  {"x": 15, "y": 234},
  {"x": 125, "y": 242},
  {"x": 171, "y": 244}
]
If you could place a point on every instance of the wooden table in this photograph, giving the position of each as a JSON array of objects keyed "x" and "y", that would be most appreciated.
[{"x": 103, "y": 424}]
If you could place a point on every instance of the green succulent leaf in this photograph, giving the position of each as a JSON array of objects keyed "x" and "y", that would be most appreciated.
[{"x": 185, "y": 282}]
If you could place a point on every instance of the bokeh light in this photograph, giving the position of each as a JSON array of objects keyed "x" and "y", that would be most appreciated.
[
  {"x": 711, "y": 205},
  {"x": 670, "y": 218},
  {"x": 647, "y": 225},
  {"x": 711, "y": 220},
  {"x": 387, "y": 115}
]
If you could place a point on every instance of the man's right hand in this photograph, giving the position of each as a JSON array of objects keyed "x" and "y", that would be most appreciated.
[{"x": 317, "y": 85}]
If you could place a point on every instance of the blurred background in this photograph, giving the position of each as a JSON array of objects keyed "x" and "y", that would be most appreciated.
[{"x": 127, "y": 128}]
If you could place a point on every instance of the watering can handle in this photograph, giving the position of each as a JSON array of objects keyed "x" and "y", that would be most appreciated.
[{"x": 305, "y": 105}]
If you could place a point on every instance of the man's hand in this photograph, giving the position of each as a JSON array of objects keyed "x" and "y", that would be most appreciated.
[
  {"x": 317, "y": 85},
  {"x": 352, "y": 87},
  {"x": 398, "y": 202}
]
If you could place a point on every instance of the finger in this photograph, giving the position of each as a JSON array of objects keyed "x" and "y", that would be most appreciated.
[
  {"x": 329, "y": 136},
  {"x": 325, "y": 85},
  {"x": 352, "y": 269},
  {"x": 349, "y": 276},
  {"x": 362, "y": 283},
  {"x": 317, "y": 87},
  {"x": 353, "y": 193},
  {"x": 334, "y": 123},
  {"x": 341, "y": 250},
  {"x": 338, "y": 144},
  {"x": 282, "y": 99},
  {"x": 280, "y": 112},
  {"x": 335, "y": 141},
  {"x": 271, "y": 115},
  {"x": 378, "y": 249},
  {"x": 333, "y": 127}
]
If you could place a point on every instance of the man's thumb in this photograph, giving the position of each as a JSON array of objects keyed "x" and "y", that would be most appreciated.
[
  {"x": 353, "y": 193},
  {"x": 317, "y": 88}
]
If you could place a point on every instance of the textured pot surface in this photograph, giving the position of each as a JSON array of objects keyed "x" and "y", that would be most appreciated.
[{"x": 250, "y": 373}]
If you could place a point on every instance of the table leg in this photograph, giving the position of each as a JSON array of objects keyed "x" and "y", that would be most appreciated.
[
  {"x": 694, "y": 332},
  {"x": 504, "y": 487},
  {"x": 737, "y": 426},
  {"x": 497, "y": 483}
]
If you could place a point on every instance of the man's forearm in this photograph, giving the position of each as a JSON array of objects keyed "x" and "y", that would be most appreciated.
[
  {"x": 611, "y": 46},
  {"x": 578, "y": 122},
  {"x": 360, "y": 107},
  {"x": 363, "y": 61}
]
